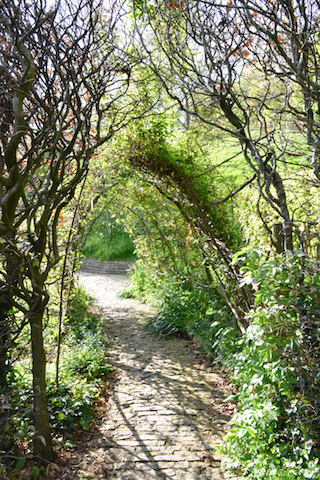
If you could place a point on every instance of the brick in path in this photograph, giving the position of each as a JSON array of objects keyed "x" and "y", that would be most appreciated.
[{"x": 163, "y": 421}]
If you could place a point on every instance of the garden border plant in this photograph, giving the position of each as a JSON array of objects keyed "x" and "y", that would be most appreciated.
[
  {"x": 71, "y": 404},
  {"x": 275, "y": 433}
]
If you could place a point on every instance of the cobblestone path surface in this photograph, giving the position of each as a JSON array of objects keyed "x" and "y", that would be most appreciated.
[{"x": 166, "y": 414}]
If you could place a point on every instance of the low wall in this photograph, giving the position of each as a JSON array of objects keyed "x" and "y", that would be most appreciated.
[{"x": 92, "y": 265}]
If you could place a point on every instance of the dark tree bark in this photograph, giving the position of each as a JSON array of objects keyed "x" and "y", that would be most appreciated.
[
  {"x": 42, "y": 443},
  {"x": 277, "y": 236}
]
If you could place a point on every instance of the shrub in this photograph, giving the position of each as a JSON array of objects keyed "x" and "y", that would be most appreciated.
[
  {"x": 275, "y": 432},
  {"x": 188, "y": 308},
  {"x": 143, "y": 285},
  {"x": 79, "y": 321},
  {"x": 88, "y": 360},
  {"x": 71, "y": 404}
]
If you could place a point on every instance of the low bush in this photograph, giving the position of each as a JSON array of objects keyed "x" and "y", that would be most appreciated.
[
  {"x": 143, "y": 284},
  {"x": 88, "y": 360},
  {"x": 197, "y": 311},
  {"x": 79, "y": 322},
  {"x": 275, "y": 433},
  {"x": 70, "y": 404}
]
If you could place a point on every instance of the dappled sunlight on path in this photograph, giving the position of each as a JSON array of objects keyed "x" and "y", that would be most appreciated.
[{"x": 165, "y": 414}]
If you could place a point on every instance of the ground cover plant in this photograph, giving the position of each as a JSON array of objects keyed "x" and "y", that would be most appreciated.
[{"x": 71, "y": 402}]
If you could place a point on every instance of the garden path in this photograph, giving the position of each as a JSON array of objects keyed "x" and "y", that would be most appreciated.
[{"x": 166, "y": 413}]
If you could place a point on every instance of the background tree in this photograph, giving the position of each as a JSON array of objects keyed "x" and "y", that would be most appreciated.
[{"x": 242, "y": 68}]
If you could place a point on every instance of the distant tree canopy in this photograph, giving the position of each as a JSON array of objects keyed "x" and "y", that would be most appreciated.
[{"x": 249, "y": 70}]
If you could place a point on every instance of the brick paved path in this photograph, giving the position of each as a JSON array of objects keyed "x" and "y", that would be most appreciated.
[{"x": 166, "y": 413}]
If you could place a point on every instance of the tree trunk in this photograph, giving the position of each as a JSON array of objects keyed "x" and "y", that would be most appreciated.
[
  {"x": 287, "y": 236},
  {"x": 4, "y": 343},
  {"x": 42, "y": 443},
  {"x": 277, "y": 237}
]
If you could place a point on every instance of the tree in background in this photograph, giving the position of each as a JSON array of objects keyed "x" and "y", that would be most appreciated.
[{"x": 248, "y": 70}]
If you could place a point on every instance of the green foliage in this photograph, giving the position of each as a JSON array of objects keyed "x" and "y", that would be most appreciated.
[
  {"x": 83, "y": 364},
  {"x": 143, "y": 285},
  {"x": 20, "y": 401},
  {"x": 35, "y": 473},
  {"x": 275, "y": 433},
  {"x": 18, "y": 467},
  {"x": 79, "y": 321},
  {"x": 70, "y": 404},
  {"x": 180, "y": 163},
  {"x": 89, "y": 360},
  {"x": 107, "y": 240},
  {"x": 188, "y": 308}
]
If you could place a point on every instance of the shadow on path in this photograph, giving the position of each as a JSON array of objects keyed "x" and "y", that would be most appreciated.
[{"x": 166, "y": 414}]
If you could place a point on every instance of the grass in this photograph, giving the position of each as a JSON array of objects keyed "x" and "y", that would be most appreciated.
[
  {"x": 117, "y": 248},
  {"x": 108, "y": 240}
]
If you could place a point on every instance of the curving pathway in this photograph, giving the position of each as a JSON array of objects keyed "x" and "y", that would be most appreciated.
[{"x": 166, "y": 414}]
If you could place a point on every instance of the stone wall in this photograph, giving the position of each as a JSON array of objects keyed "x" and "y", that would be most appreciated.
[{"x": 92, "y": 265}]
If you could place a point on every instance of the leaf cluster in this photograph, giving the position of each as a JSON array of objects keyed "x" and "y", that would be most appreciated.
[{"x": 277, "y": 374}]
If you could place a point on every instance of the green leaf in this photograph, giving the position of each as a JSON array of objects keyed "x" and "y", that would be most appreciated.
[
  {"x": 18, "y": 467},
  {"x": 85, "y": 418},
  {"x": 35, "y": 473}
]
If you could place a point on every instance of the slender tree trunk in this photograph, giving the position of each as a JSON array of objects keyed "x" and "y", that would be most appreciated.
[
  {"x": 277, "y": 237},
  {"x": 4, "y": 343},
  {"x": 64, "y": 305},
  {"x": 42, "y": 443}
]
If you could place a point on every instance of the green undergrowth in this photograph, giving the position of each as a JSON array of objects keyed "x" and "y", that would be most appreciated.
[
  {"x": 83, "y": 365},
  {"x": 107, "y": 240},
  {"x": 185, "y": 308},
  {"x": 275, "y": 433},
  {"x": 143, "y": 284},
  {"x": 274, "y": 366},
  {"x": 199, "y": 312}
]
